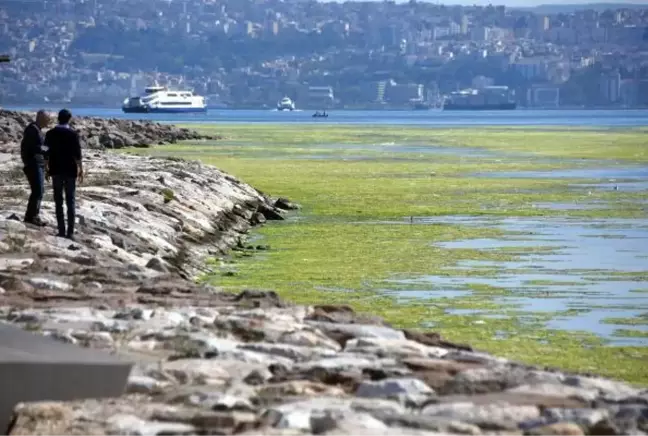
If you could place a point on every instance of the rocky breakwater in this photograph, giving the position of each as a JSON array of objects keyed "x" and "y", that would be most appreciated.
[
  {"x": 211, "y": 362},
  {"x": 136, "y": 217},
  {"x": 99, "y": 133}
]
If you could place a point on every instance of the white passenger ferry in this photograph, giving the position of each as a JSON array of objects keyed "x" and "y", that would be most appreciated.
[{"x": 160, "y": 99}]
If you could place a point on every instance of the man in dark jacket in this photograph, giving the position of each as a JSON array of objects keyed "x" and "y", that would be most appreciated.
[
  {"x": 31, "y": 151},
  {"x": 63, "y": 164}
]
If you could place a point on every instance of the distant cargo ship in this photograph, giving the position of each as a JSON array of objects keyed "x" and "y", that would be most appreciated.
[
  {"x": 419, "y": 106},
  {"x": 485, "y": 99},
  {"x": 477, "y": 107}
]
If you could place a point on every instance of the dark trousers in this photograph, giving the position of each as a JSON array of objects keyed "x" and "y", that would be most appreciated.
[
  {"x": 34, "y": 175},
  {"x": 67, "y": 185}
]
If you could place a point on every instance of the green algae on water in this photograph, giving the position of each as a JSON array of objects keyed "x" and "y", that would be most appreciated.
[
  {"x": 613, "y": 144},
  {"x": 352, "y": 242},
  {"x": 631, "y": 333}
]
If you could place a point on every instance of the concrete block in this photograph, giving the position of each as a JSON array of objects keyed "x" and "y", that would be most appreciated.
[{"x": 37, "y": 368}]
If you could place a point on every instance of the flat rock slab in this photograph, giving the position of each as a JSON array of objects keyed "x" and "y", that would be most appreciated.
[
  {"x": 37, "y": 368},
  {"x": 547, "y": 399}
]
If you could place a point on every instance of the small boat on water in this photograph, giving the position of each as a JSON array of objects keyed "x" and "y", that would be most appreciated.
[
  {"x": 286, "y": 104},
  {"x": 319, "y": 114},
  {"x": 160, "y": 99}
]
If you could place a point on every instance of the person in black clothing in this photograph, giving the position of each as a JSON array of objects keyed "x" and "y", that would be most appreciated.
[
  {"x": 31, "y": 152},
  {"x": 63, "y": 165}
]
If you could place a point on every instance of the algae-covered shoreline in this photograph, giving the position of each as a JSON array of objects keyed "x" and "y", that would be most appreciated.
[
  {"x": 364, "y": 234},
  {"x": 390, "y": 232}
]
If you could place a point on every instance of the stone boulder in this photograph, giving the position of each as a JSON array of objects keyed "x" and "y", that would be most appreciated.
[{"x": 100, "y": 133}]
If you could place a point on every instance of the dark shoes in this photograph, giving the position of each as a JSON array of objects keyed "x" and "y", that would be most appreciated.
[
  {"x": 36, "y": 222},
  {"x": 40, "y": 223}
]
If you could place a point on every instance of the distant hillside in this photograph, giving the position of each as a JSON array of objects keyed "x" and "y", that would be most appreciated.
[{"x": 568, "y": 8}]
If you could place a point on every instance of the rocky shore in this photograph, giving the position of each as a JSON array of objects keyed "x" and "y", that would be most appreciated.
[
  {"x": 100, "y": 133},
  {"x": 211, "y": 362}
]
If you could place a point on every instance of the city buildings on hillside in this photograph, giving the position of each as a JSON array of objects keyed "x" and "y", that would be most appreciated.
[{"x": 323, "y": 55}]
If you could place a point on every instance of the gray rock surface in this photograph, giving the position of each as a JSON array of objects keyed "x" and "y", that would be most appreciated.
[
  {"x": 211, "y": 362},
  {"x": 139, "y": 220},
  {"x": 205, "y": 379},
  {"x": 100, "y": 133}
]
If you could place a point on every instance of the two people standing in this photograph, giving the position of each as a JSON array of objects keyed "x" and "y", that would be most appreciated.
[{"x": 56, "y": 155}]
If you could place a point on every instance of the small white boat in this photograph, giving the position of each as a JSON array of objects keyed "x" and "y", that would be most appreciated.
[
  {"x": 286, "y": 104},
  {"x": 160, "y": 99}
]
